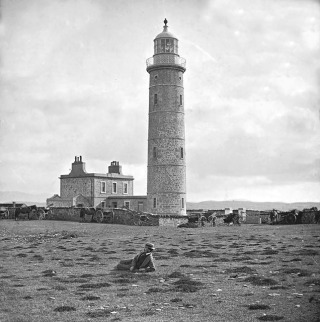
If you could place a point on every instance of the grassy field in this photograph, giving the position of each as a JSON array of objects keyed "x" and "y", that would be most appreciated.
[{"x": 64, "y": 271}]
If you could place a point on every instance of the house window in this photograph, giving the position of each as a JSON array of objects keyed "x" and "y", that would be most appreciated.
[
  {"x": 103, "y": 204},
  {"x": 154, "y": 202},
  {"x": 103, "y": 187},
  {"x": 182, "y": 203},
  {"x": 155, "y": 100},
  {"x": 127, "y": 204},
  {"x": 180, "y": 99},
  {"x": 114, "y": 204},
  {"x": 154, "y": 152},
  {"x": 125, "y": 188},
  {"x": 114, "y": 187}
]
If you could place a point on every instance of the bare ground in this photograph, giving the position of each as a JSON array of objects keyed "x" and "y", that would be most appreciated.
[{"x": 64, "y": 271}]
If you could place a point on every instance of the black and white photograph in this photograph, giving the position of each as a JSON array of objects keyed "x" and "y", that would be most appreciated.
[{"x": 159, "y": 160}]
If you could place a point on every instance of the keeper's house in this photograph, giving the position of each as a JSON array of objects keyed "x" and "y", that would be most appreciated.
[{"x": 109, "y": 190}]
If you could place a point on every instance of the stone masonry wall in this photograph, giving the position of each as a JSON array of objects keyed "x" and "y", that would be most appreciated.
[
  {"x": 71, "y": 187},
  {"x": 166, "y": 136}
]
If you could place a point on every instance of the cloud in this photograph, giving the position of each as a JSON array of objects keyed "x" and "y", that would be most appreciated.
[{"x": 73, "y": 82}]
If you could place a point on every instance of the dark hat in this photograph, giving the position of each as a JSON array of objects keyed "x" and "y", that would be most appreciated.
[{"x": 150, "y": 246}]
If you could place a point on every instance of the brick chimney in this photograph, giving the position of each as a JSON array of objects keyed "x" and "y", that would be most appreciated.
[
  {"x": 115, "y": 167},
  {"x": 78, "y": 167}
]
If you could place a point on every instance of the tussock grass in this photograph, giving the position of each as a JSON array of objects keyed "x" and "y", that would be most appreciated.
[
  {"x": 315, "y": 281},
  {"x": 279, "y": 287},
  {"x": 176, "y": 299},
  {"x": 124, "y": 281},
  {"x": 64, "y": 308},
  {"x": 269, "y": 252},
  {"x": 101, "y": 313},
  {"x": 38, "y": 257},
  {"x": 187, "y": 285},
  {"x": 86, "y": 275},
  {"x": 157, "y": 290},
  {"x": 49, "y": 273},
  {"x": 258, "y": 307},
  {"x": 181, "y": 284},
  {"x": 298, "y": 271},
  {"x": 94, "y": 286},
  {"x": 270, "y": 318},
  {"x": 242, "y": 269},
  {"x": 260, "y": 280},
  {"x": 176, "y": 275},
  {"x": 60, "y": 288},
  {"x": 148, "y": 312},
  {"x": 90, "y": 298},
  {"x": 21, "y": 255},
  {"x": 306, "y": 252}
]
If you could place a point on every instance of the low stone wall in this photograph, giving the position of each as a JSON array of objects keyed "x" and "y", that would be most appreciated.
[
  {"x": 172, "y": 221},
  {"x": 127, "y": 217},
  {"x": 64, "y": 213},
  {"x": 257, "y": 217},
  {"x": 120, "y": 216},
  {"x": 252, "y": 220}
]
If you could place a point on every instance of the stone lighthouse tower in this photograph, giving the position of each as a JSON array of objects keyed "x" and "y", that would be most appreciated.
[{"x": 166, "y": 186}]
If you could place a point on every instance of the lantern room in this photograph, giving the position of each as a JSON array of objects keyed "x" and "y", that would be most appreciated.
[{"x": 165, "y": 42}]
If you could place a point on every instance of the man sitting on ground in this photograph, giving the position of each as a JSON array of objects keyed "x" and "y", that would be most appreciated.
[{"x": 141, "y": 262}]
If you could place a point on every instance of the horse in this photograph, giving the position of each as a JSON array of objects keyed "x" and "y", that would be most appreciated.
[
  {"x": 273, "y": 217},
  {"x": 86, "y": 211},
  {"x": 212, "y": 219},
  {"x": 25, "y": 211},
  {"x": 4, "y": 213}
]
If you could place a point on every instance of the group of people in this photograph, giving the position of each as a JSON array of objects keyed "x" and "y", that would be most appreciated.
[{"x": 211, "y": 220}]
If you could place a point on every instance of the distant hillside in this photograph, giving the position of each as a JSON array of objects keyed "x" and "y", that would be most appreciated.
[
  {"x": 23, "y": 197},
  {"x": 40, "y": 200},
  {"x": 234, "y": 204}
]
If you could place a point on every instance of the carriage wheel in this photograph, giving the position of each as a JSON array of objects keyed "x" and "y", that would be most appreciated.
[{"x": 99, "y": 216}]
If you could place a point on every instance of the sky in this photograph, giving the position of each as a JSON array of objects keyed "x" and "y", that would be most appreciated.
[{"x": 73, "y": 82}]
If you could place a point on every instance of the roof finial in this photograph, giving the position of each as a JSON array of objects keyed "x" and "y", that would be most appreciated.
[{"x": 165, "y": 22}]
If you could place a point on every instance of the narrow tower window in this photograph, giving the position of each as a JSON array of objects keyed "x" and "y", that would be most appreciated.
[
  {"x": 181, "y": 153},
  {"x": 182, "y": 203},
  {"x": 154, "y": 152},
  {"x": 154, "y": 202},
  {"x": 180, "y": 99},
  {"x": 155, "y": 101},
  {"x": 114, "y": 187}
]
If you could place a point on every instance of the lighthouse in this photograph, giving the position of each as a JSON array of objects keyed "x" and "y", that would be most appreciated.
[{"x": 166, "y": 182}]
